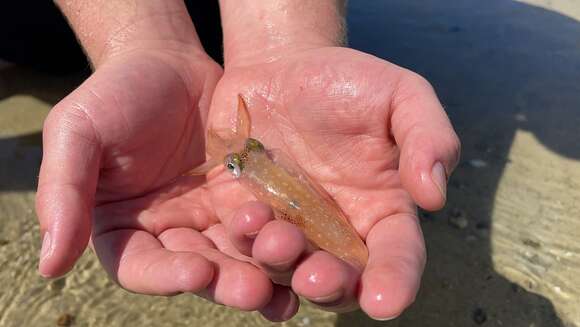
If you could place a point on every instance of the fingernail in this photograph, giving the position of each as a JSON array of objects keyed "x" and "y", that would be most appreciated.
[
  {"x": 45, "y": 250},
  {"x": 252, "y": 235},
  {"x": 328, "y": 298},
  {"x": 385, "y": 319},
  {"x": 439, "y": 177}
]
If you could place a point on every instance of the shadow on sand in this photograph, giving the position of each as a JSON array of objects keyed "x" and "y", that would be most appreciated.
[
  {"x": 20, "y": 155},
  {"x": 498, "y": 66}
]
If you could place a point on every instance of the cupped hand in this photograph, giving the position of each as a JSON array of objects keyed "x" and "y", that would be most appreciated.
[
  {"x": 375, "y": 136},
  {"x": 114, "y": 153}
]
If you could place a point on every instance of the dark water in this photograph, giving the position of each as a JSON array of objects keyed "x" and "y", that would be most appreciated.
[
  {"x": 485, "y": 58},
  {"x": 499, "y": 67}
]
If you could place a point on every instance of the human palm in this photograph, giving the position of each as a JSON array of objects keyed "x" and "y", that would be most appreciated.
[
  {"x": 148, "y": 118},
  {"x": 120, "y": 143},
  {"x": 328, "y": 110},
  {"x": 369, "y": 132}
]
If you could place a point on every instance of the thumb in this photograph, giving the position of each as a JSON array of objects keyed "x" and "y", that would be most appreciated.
[
  {"x": 429, "y": 147},
  {"x": 66, "y": 187}
]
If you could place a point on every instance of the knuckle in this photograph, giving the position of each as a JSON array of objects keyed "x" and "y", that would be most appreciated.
[
  {"x": 42, "y": 201},
  {"x": 455, "y": 150},
  {"x": 418, "y": 81},
  {"x": 410, "y": 87},
  {"x": 71, "y": 117}
]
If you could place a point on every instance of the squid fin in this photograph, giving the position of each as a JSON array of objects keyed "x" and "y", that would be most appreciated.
[
  {"x": 244, "y": 123},
  {"x": 218, "y": 147},
  {"x": 204, "y": 168}
]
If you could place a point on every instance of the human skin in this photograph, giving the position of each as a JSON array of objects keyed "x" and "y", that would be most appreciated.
[
  {"x": 113, "y": 153},
  {"x": 372, "y": 133},
  {"x": 120, "y": 142}
]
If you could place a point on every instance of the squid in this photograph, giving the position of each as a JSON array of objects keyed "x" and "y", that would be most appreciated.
[{"x": 292, "y": 194}]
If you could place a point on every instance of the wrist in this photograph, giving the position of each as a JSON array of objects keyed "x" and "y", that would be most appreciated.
[
  {"x": 262, "y": 31},
  {"x": 107, "y": 28}
]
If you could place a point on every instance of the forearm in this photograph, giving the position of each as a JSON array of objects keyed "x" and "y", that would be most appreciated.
[
  {"x": 261, "y": 30},
  {"x": 108, "y": 27}
]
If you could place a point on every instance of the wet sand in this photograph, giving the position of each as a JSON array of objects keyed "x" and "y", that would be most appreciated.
[{"x": 504, "y": 252}]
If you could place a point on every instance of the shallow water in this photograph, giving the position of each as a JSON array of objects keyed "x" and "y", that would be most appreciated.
[{"x": 507, "y": 73}]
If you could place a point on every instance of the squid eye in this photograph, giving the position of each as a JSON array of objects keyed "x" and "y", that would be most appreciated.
[
  {"x": 234, "y": 164},
  {"x": 235, "y": 170}
]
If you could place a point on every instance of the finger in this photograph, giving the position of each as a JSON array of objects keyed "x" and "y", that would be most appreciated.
[
  {"x": 235, "y": 283},
  {"x": 283, "y": 305},
  {"x": 139, "y": 263},
  {"x": 327, "y": 281},
  {"x": 184, "y": 239},
  {"x": 66, "y": 187},
  {"x": 396, "y": 261},
  {"x": 277, "y": 248},
  {"x": 246, "y": 223},
  {"x": 429, "y": 146},
  {"x": 182, "y": 203}
]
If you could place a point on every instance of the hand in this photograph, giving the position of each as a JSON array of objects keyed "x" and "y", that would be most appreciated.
[
  {"x": 113, "y": 153},
  {"x": 376, "y": 137}
]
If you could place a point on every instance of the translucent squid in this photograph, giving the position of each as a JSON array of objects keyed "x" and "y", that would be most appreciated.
[{"x": 290, "y": 192}]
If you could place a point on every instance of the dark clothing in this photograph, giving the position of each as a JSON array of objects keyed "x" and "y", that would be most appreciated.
[{"x": 35, "y": 33}]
